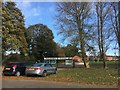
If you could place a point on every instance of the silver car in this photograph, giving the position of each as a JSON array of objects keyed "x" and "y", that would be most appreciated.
[{"x": 42, "y": 69}]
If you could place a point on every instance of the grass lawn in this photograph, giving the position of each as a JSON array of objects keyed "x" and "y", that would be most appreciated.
[
  {"x": 87, "y": 76},
  {"x": 110, "y": 64}
]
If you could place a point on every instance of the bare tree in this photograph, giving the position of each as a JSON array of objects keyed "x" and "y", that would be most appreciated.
[
  {"x": 115, "y": 21},
  {"x": 119, "y": 33},
  {"x": 104, "y": 28},
  {"x": 72, "y": 20}
]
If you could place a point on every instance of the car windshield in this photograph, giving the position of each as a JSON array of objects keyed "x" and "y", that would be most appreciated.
[
  {"x": 37, "y": 64},
  {"x": 10, "y": 64}
]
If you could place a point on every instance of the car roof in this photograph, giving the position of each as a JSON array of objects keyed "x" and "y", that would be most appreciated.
[
  {"x": 40, "y": 63},
  {"x": 15, "y": 62}
]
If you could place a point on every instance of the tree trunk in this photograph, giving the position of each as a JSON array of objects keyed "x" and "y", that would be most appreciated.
[
  {"x": 99, "y": 40},
  {"x": 82, "y": 43},
  {"x": 83, "y": 51},
  {"x": 119, "y": 27},
  {"x": 102, "y": 37}
]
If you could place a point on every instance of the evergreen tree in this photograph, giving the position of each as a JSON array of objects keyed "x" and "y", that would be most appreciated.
[{"x": 13, "y": 28}]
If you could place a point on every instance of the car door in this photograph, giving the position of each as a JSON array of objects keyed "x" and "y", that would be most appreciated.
[
  {"x": 51, "y": 69},
  {"x": 22, "y": 68},
  {"x": 48, "y": 68}
]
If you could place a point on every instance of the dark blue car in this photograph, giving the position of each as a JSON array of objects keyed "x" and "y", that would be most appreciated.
[{"x": 14, "y": 68}]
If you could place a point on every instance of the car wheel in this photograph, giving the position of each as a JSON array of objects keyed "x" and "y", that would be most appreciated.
[
  {"x": 26, "y": 74},
  {"x": 5, "y": 74},
  {"x": 44, "y": 74},
  {"x": 17, "y": 73},
  {"x": 55, "y": 72}
]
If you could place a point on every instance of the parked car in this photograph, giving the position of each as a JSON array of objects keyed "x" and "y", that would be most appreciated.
[
  {"x": 14, "y": 68},
  {"x": 41, "y": 69}
]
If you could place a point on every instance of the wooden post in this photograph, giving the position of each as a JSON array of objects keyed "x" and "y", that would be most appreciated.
[
  {"x": 64, "y": 62},
  {"x": 57, "y": 63},
  {"x": 73, "y": 63}
]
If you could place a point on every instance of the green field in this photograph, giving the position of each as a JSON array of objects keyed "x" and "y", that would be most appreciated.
[
  {"x": 110, "y": 64},
  {"x": 87, "y": 76}
]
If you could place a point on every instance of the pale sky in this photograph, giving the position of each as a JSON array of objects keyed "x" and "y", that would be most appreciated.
[{"x": 43, "y": 13}]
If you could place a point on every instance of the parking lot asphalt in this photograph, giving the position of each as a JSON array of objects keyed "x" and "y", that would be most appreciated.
[
  {"x": 44, "y": 84},
  {"x": 36, "y": 84}
]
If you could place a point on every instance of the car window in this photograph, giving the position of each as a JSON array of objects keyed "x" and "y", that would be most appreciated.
[
  {"x": 10, "y": 64},
  {"x": 18, "y": 64},
  {"x": 50, "y": 65},
  {"x": 22, "y": 64},
  {"x": 37, "y": 64},
  {"x": 47, "y": 65}
]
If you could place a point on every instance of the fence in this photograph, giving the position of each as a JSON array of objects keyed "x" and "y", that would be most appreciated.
[{"x": 63, "y": 61}]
